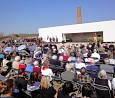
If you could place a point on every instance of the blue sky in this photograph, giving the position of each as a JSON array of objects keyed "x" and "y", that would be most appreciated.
[{"x": 26, "y": 16}]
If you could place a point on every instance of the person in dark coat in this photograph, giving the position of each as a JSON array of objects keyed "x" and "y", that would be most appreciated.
[
  {"x": 102, "y": 80},
  {"x": 20, "y": 81},
  {"x": 46, "y": 89},
  {"x": 67, "y": 88},
  {"x": 54, "y": 60}
]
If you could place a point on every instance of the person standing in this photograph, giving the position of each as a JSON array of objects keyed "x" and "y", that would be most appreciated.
[{"x": 95, "y": 37}]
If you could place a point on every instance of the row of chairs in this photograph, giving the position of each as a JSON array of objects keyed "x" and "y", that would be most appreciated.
[
  {"x": 79, "y": 88},
  {"x": 77, "y": 85}
]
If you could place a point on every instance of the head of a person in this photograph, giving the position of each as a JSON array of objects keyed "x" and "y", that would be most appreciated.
[
  {"x": 65, "y": 53},
  {"x": 79, "y": 60},
  {"x": 69, "y": 60},
  {"x": 45, "y": 63},
  {"x": 21, "y": 71},
  {"x": 67, "y": 88},
  {"x": 22, "y": 62},
  {"x": 95, "y": 50},
  {"x": 17, "y": 58},
  {"x": 38, "y": 48},
  {"x": 86, "y": 51},
  {"x": 8, "y": 57},
  {"x": 33, "y": 77},
  {"x": 28, "y": 61},
  {"x": 6, "y": 86},
  {"x": 45, "y": 82},
  {"x": 69, "y": 66},
  {"x": 72, "y": 54},
  {"x": 83, "y": 70},
  {"x": 80, "y": 55},
  {"x": 107, "y": 61},
  {"x": 102, "y": 74},
  {"x": 36, "y": 63},
  {"x": 89, "y": 55},
  {"x": 92, "y": 61},
  {"x": 60, "y": 58},
  {"x": 54, "y": 57}
]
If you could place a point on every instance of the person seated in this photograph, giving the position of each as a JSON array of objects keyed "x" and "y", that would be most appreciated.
[
  {"x": 101, "y": 49},
  {"x": 65, "y": 56},
  {"x": 45, "y": 70},
  {"x": 72, "y": 56},
  {"x": 22, "y": 65},
  {"x": 16, "y": 62},
  {"x": 83, "y": 76},
  {"x": 85, "y": 55},
  {"x": 67, "y": 88},
  {"x": 6, "y": 88},
  {"x": 54, "y": 60},
  {"x": 92, "y": 69},
  {"x": 61, "y": 63},
  {"x": 87, "y": 91},
  {"x": 6, "y": 65},
  {"x": 69, "y": 74},
  {"x": 21, "y": 82},
  {"x": 103, "y": 55},
  {"x": 25, "y": 53},
  {"x": 14, "y": 53},
  {"x": 46, "y": 89},
  {"x": 37, "y": 69},
  {"x": 95, "y": 55},
  {"x": 61, "y": 67},
  {"x": 102, "y": 80},
  {"x": 37, "y": 53},
  {"x": 33, "y": 84},
  {"x": 108, "y": 68},
  {"x": 111, "y": 46},
  {"x": 79, "y": 64},
  {"x": 29, "y": 68}
]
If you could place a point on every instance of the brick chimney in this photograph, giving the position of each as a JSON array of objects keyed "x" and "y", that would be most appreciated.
[{"x": 79, "y": 15}]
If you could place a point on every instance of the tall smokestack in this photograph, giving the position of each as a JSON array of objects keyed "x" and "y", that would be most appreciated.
[{"x": 79, "y": 15}]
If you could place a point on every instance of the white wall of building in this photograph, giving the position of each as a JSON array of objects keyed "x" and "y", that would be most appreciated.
[{"x": 108, "y": 28}]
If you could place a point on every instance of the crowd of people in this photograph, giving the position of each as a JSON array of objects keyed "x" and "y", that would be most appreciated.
[{"x": 85, "y": 71}]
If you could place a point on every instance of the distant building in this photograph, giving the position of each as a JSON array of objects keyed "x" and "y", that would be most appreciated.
[{"x": 80, "y": 32}]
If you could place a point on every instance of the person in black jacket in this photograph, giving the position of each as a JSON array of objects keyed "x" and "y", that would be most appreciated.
[
  {"x": 102, "y": 80},
  {"x": 67, "y": 88},
  {"x": 46, "y": 89}
]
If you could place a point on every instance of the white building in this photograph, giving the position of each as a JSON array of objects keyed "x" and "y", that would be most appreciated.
[{"x": 107, "y": 28}]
